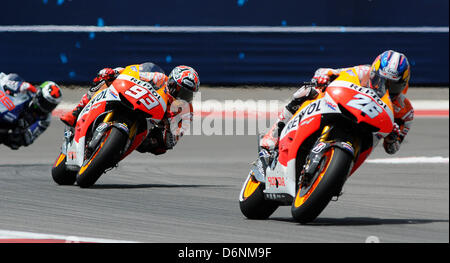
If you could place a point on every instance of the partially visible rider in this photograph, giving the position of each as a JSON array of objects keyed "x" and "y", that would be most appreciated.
[
  {"x": 390, "y": 71},
  {"x": 181, "y": 84},
  {"x": 25, "y": 123}
]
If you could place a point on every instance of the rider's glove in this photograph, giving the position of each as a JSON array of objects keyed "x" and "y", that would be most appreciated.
[
  {"x": 305, "y": 92},
  {"x": 322, "y": 76},
  {"x": 391, "y": 142},
  {"x": 27, "y": 87},
  {"x": 106, "y": 74},
  {"x": 12, "y": 87},
  {"x": 301, "y": 95}
]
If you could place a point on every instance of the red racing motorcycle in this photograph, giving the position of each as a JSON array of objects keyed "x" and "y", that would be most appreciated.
[
  {"x": 324, "y": 143},
  {"x": 111, "y": 126}
]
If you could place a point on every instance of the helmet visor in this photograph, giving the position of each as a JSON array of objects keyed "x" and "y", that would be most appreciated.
[
  {"x": 44, "y": 105},
  {"x": 184, "y": 94},
  {"x": 380, "y": 84},
  {"x": 179, "y": 92},
  {"x": 395, "y": 87}
]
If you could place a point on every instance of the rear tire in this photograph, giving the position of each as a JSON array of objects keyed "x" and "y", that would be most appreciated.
[
  {"x": 309, "y": 203},
  {"x": 60, "y": 174},
  {"x": 252, "y": 203},
  {"x": 106, "y": 156}
]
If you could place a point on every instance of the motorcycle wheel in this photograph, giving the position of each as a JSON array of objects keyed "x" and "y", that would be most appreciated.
[
  {"x": 252, "y": 203},
  {"x": 105, "y": 156},
  {"x": 60, "y": 174},
  {"x": 312, "y": 199}
]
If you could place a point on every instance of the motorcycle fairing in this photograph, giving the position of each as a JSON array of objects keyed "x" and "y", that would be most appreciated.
[
  {"x": 282, "y": 179},
  {"x": 93, "y": 109},
  {"x": 12, "y": 106},
  {"x": 307, "y": 120},
  {"x": 140, "y": 94},
  {"x": 370, "y": 109}
]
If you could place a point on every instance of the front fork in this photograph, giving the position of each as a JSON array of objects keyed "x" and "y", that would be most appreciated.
[
  {"x": 323, "y": 144},
  {"x": 131, "y": 132},
  {"x": 106, "y": 125}
]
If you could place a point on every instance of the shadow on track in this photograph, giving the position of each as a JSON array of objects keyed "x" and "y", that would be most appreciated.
[
  {"x": 25, "y": 165},
  {"x": 137, "y": 186},
  {"x": 363, "y": 221}
]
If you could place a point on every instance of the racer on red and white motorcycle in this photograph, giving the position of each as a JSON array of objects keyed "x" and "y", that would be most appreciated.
[
  {"x": 181, "y": 84},
  {"x": 390, "y": 71}
]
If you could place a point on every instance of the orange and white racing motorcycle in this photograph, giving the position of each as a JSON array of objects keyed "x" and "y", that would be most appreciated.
[
  {"x": 113, "y": 124},
  {"x": 324, "y": 142}
]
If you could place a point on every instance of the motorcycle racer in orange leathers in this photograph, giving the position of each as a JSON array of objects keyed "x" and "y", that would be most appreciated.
[
  {"x": 390, "y": 72},
  {"x": 181, "y": 84}
]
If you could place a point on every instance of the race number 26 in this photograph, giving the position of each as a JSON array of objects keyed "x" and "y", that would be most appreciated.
[{"x": 366, "y": 105}]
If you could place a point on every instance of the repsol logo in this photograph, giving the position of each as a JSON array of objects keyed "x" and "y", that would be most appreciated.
[
  {"x": 141, "y": 83},
  {"x": 369, "y": 92},
  {"x": 146, "y": 85},
  {"x": 99, "y": 97},
  {"x": 315, "y": 106},
  {"x": 293, "y": 124}
]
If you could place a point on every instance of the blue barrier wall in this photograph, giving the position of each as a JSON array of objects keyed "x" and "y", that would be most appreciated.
[
  {"x": 222, "y": 57},
  {"x": 227, "y": 12}
]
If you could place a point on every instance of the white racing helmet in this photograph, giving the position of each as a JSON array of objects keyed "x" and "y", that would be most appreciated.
[{"x": 49, "y": 95}]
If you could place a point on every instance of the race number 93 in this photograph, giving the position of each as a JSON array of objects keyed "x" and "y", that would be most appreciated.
[{"x": 143, "y": 96}]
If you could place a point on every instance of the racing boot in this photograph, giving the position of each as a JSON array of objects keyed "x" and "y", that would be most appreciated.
[
  {"x": 69, "y": 118},
  {"x": 154, "y": 142},
  {"x": 269, "y": 141}
]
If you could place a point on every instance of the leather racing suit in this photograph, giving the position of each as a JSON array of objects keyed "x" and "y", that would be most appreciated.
[{"x": 403, "y": 110}]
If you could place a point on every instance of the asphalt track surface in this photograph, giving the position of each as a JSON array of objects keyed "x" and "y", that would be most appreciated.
[{"x": 191, "y": 194}]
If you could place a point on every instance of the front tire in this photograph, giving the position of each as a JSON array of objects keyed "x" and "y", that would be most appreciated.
[
  {"x": 106, "y": 155},
  {"x": 311, "y": 200},
  {"x": 252, "y": 203},
  {"x": 60, "y": 174}
]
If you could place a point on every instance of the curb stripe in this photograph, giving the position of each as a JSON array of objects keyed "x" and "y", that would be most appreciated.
[
  {"x": 431, "y": 113},
  {"x": 7, "y": 236},
  {"x": 410, "y": 160}
]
